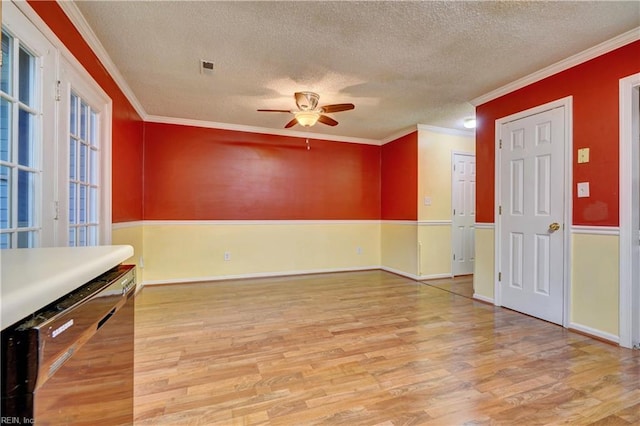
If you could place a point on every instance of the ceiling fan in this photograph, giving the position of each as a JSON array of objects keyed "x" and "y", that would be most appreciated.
[{"x": 309, "y": 113}]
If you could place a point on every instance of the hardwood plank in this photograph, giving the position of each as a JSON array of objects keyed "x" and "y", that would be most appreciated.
[{"x": 365, "y": 348}]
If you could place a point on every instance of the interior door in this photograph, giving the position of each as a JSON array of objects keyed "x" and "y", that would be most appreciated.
[
  {"x": 531, "y": 214},
  {"x": 464, "y": 213}
]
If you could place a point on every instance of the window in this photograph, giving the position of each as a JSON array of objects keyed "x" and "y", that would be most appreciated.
[
  {"x": 20, "y": 169},
  {"x": 83, "y": 173},
  {"x": 54, "y": 185}
]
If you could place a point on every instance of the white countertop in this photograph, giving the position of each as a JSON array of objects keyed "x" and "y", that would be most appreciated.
[{"x": 32, "y": 278}]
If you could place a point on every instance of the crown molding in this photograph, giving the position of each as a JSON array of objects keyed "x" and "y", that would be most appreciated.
[
  {"x": 397, "y": 135},
  {"x": 77, "y": 19},
  {"x": 572, "y": 61},
  {"x": 253, "y": 129},
  {"x": 446, "y": 131}
]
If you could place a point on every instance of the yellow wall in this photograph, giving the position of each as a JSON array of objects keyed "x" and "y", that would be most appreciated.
[
  {"x": 399, "y": 247},
  {"x": 435, "y": 250},
  {"x": 595, "y": 282},
  {"x": 483, "y": 275},
  {"x": 195, "y": 251},
  {"x": 130, "y": 234},
  {"x": 435, "y": 152}
]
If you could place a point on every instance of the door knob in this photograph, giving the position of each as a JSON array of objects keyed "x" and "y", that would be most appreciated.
[{"x": 554, "y": 226}]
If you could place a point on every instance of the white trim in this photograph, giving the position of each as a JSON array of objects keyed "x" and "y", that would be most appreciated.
[
  {"x": 434, "y": 223},
  {"x": 254, "y": 129},
  {"x": 186, "y": 280},
  {"x": 484, "y": 225},
  {"x": 434, "y": 277},
  {"x": 594, "y": 332},
  {"x": 399, "y": 272},
  {"x": 397, "y": 135},
  {"x": 77, "y": 18},
  {"x": 567, "y": 104},
  {"x": 629, "y": 273},
  {"x": 446, "y": 131},
  {"x": 572, "y": 61},
  {"x": 483, "y": 298},
  {"x": 595, "y": 230},
  {"x": 254, "y": 222},
  {"x": 399, "y": 222},
  {"x": 125, "y": 225}
]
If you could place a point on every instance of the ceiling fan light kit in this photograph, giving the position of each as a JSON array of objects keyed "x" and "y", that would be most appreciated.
[
  {"x": 308, "y": 113},
  {"x": 307, "y": 118}
]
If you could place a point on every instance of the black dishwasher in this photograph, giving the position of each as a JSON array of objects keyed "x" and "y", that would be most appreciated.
[{"x": 71, "y": 363}]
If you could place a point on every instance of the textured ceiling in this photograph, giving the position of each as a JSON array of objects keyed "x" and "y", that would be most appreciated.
[{"x": 400, "y": 63}]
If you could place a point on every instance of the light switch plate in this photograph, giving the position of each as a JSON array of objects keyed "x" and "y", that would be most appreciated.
[
  {"x": 583, "y": 155},
  {"x": 583, "y": 189},
  {"x": 427, "y": 201}
]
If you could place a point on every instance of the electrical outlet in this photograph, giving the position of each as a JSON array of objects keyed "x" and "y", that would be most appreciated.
[
  {"x": 227, "y": 256},
  {"x": 359, "y": 250}
]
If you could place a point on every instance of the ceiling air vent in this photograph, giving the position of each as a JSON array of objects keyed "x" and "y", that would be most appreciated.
[{"x": 206, "y": 67}]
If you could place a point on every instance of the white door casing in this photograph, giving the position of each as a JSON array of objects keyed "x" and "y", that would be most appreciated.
[
  {"x": 630, "y": 211},
  {"x": 531, "y": 199},
  {"x": 463, "y": 212}
]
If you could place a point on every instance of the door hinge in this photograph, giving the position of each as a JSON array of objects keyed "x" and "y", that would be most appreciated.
[
  {"x": 499, "y": 210},
  {"x": 454, "y": 212},
  {"x": 56, "y": 210},
  {"x": 499, "y": 276},
  {"x": 500, "y": 144},
  {"x": 454, "y": 256},
  {"x": 58, "y": 90}
]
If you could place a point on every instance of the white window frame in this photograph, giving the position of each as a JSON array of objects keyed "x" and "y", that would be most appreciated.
[
  {"x": 78, "y": 81},
  {"x": 60, "y": 65}
]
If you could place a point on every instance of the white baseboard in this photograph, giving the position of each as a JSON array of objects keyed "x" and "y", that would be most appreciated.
[
  {"x": 434, "y": 276},
  {"x": 595, "y": 332},
  {"x": 483, "y": 298},
  {"x": 185, "y": 280},
  {"x": 399, "y": 272}
]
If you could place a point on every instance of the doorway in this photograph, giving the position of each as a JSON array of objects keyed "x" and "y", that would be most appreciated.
[
  {"x": 463, "y": 172},
  {"x": 532, "y": 209}
]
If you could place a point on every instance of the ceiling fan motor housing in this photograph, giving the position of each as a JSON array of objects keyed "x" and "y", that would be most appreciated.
[{"x": 307, "y": 101}]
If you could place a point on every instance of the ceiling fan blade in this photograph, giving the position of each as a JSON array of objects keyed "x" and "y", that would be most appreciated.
[
  {"x": 291, "y": 123},
  {"x": 337, "y": 108},
  {"x": 274, "y": 110},
  {"x": 327, "y": 120}
]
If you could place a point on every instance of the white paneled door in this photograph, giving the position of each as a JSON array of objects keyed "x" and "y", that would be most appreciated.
[
  {"x": 531, "y": 209},
  {"x": 464, "y": 213}
]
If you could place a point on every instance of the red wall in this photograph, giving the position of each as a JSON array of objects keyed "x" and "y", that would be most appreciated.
[
  {"x": 400, "y": 178},
  {"x": 194, "y": 173},
  {"x": 127, "y": 125},
  {"x": 594, "y": 87}
]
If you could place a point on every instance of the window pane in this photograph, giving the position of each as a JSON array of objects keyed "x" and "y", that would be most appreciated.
[
  {"x": 5, "y": 77},
  {"x": 73, "y": 196},
  {"x": 82, "y": 205},
  {"x": 73, "y": 164},
  {"x": 26, "y": 198},
  {"x": 83, "y": 120},
  {"x": 93, "y": 137},
  {"x": 73, "y": 119},
  {"x": 5, "y": 197},
  {"x": 93, "y": 167},
  {"x": 26, "y": 239},
  {"x": 26, "y": 77},
  {"x": 82, "y": 162},
  {"x": 26, "y": 149},
  {"x": 82, "y": 236},
  {"x": 93, "y": 205},
  {"x": 92, "y": 236},
  {"x": 5, "y": 241},
  {"x": 72, "y": 237},
  {"x": 5, "y": 130}
]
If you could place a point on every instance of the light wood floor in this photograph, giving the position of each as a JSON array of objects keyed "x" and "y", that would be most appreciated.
[{"x": 366, "y": 348}]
